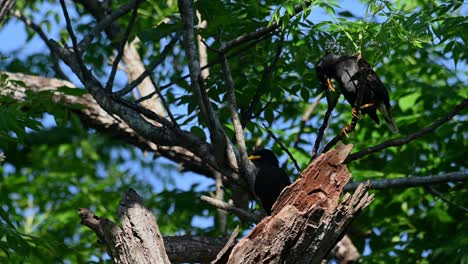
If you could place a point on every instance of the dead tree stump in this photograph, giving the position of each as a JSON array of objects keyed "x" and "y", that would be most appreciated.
[{"x": 308, "y": 219}]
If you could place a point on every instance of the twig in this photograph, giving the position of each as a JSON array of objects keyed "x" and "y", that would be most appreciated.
[
  {"x": 401, "y": 141},
  {"x": 164, "y": 103},
  {"x": 232, "y": 209},
  {"x": 120, "y": 51},
  {"x": 43, "y": 36},
  {"x": 332, "y": 101},
  {"x": 148, "y": 71},
  {"x": 107, "y": 21},
  {"x": 76, "y": 49},
  {"x": 217, "y": 133},
  {"x": 411, "y": 181},
  {"x": 305, "y": 117},
  {"x": 283, "y": 147},
  {"x": 259, "y": 32},
  {"x": 267, "y": 72},
  {"x": 236, "y": 122},
  {"x": 217, "y": 61},
  {"x": 445, "y": 199}
]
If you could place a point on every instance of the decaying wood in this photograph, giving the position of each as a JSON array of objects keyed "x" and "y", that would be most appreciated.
[
  {"x": 137, "y": 241},
  {"x": 308, "y": 219}
]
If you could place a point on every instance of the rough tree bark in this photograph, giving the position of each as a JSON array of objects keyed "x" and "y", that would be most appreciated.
[
  {"x": 137, "y": 241},
  {"x": 307, "y": 221}
]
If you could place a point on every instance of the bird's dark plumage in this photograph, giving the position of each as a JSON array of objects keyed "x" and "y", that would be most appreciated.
[
  {"x": 354, "y": 75},
  {"x": 270, "y": 179}
]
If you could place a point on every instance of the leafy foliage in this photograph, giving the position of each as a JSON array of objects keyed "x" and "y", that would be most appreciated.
[{"x": 53, "y": 166}]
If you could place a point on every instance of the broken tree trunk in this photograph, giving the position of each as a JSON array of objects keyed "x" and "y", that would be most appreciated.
[
  {"x": 308, "y": 219},
  {"x": 137, "y": 241}
]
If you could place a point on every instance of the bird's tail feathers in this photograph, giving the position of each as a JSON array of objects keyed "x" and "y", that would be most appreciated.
[{"x": 388, "y": 118}]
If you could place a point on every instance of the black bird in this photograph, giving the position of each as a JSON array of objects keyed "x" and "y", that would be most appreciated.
[
  {"x": 354, "y": 74},
  {"x": 270, "y": 179}
]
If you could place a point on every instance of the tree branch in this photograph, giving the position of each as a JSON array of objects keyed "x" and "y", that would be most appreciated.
[
  {"x": 404, "y": 140},
  {"x": 243, "y": 214},
  {"x": 93, "y": 116},
  {"x": 138, "y": 240},
  {"x": 412, "y": 181},
  {"x": 43, "y": 36},
  {"x": 217, "y": 134},
  {"x": 283, "y": 147},
  {"x": 120, "y": 50},
  {"x": 305, "y": 117},
  {"x": 108, "y": 20},
  {"x": 267, "y": 74},
  {"x": 246, "y": 167},
  {"x": 149, "y": 69},
  {"x": 332, "y": 101},
  {"x": 134, "y": 66},
  {"x": 259, "y": 32},
  {"x": 445, "y": 199}
]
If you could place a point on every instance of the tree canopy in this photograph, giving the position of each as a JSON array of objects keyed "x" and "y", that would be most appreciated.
[{"x": 79, "y": 124}]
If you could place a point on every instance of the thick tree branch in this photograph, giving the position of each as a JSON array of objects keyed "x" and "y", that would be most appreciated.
[
  {"x": 93, "y": 116},
  {"x": 137, "y": 241},
  {"x": 404, "y": 140},
  {"x": 411, "y": 181}
]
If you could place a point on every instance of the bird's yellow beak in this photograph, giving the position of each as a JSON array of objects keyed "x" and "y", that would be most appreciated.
[
  {"x": 254, "y": 157},
  {"x": 330, "y": 85}
]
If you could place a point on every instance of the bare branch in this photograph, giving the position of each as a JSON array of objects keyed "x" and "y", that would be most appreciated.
[
  {"x": 445, "y": 199},
  {"x": 217, "y": 134},
  {"x": 233, "y": 54},
  {"x": 412, "y": 181},
  {"x": 120, "y": 50},
  {"x": 245, "y": 166},
  {"x": 243, "y": 214},
  {"x": 77, "y": 53},
  {"x": 107, "y": 21},
  {"x": 332, "y": 101},
  {"x": 149, "y": 69},
  {"x": 305, "y": 117},
  {"x": 43, "y": 36},
  {"x": 93, "y": 116},
  {"x": 283, "y": 147},
  {"x": 267, "y": 74},
  {"x": 5, "y": 7},
  {"x": 404, "y": 140},
  {"x": 259, "y": 32}
]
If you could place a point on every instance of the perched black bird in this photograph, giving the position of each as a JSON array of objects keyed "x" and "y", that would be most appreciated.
[
  {"x": 357, "y": 80},
  {"x": 270, "y": 179}
]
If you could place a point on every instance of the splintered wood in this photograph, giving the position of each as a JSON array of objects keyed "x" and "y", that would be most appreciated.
[{"x": 308, "y": 219}]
